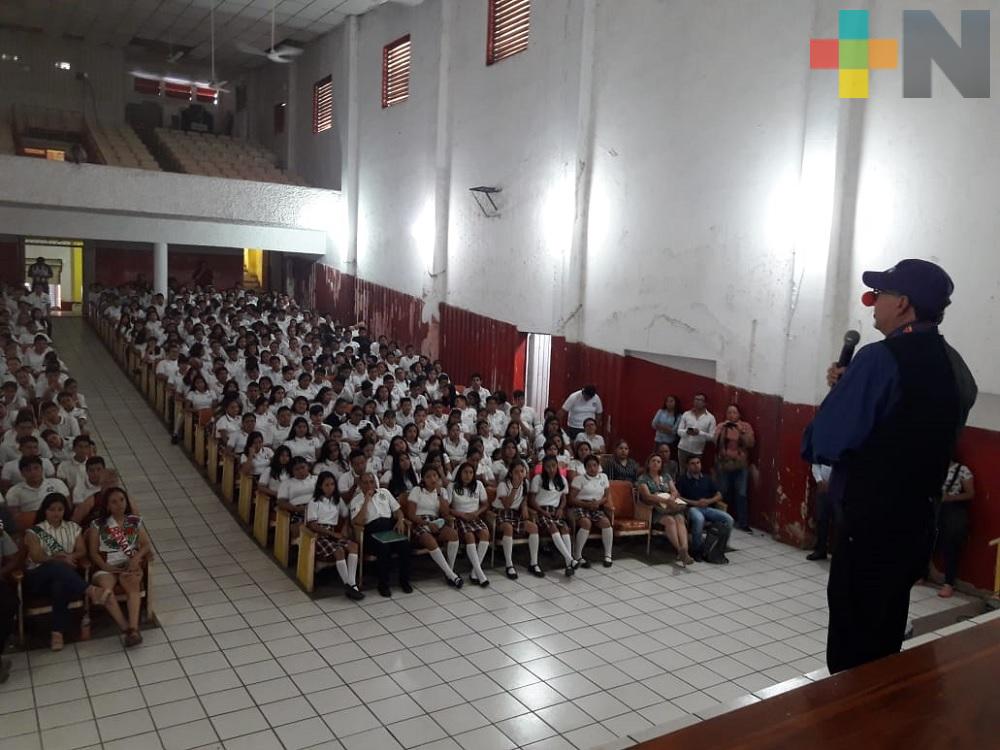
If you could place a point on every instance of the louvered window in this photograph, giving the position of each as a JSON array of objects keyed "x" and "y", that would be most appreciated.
[
  {"x": 508, "y": 30},
  {"x": 177, "y": 90},
  {"x": 206, "y": 94},
  {"x": 149, "y": 86},
  {"x": 396, "y": 72},
  {"x": 322, "y": 105}
]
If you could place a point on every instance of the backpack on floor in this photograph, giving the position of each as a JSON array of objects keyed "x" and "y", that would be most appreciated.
[{"x": 714, "y": 548}]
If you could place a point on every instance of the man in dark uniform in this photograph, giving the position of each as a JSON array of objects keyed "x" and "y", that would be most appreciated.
[{"x": 888, "y": 428}]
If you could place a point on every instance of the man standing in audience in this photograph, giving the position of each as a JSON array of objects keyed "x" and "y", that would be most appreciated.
[
  {"x": 912, "y": 383},
  {"x": 701, "y": 494},
  {"x": 695, "y": 428},
  {"x": 578, "y": 407}
]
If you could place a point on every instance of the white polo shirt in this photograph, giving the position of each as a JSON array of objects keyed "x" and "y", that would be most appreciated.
[
  {"x": 326, "y": 511},
  {"x": 26, "y": 498},
  {"x": 547, "y": 498},
  {"x": 591, "y": 489},
  {"x": 383, "y": 505},
  {"x": 468, "y": 502},
  {"x": 579, "y": 409},
  {"x": 297, "y": 491}
]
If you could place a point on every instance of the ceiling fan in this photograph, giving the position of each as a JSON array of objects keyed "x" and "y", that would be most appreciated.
[
  {"x": 283, "y": 53},
  {"x": 215, "y": 83}
]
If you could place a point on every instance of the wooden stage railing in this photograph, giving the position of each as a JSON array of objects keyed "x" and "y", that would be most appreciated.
[{"x": 942, "y": 694}]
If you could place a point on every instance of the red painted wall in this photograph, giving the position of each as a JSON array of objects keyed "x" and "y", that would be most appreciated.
[
  {"x": 11, "y": 262},
  {"x": 781, "y": 492},
  {"x": 116, "y": 265}
]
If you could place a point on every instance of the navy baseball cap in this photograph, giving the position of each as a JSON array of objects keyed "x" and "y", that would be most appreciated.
[{"x": 926, "y": 284}]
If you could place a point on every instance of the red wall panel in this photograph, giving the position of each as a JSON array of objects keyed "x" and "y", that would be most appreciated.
[
  {"x": 474, "y": 343},
  {"x": 335, "y": 293},
  {"x": 116, "y": 265},
  {"x": 11, "y": 262},
  {"x": 386, "y": 311},
  {"x": 978, "y": 449}
]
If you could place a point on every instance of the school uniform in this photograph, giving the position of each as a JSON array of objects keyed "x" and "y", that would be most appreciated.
[
  {"x": 590, "y": 489},
  {"x": 511, "y": 515},
  {"x": 328, "y": 513},
  {"x": 297, "y": 492},
  {"x": 305, "y": 447},
  {"x": 596, "y": 442},
  {"x": 428, "y": 510},
  {"x": 26, "y": 498},
  {"x": 11, "y": 472},
  {"x": 548, "y": 501},
  {"x": 457, "y": 452},
  {"x": 468, "y": 502}
]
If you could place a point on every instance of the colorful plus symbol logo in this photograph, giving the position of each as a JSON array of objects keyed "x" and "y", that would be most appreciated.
[{"x": 853, "y": 53}]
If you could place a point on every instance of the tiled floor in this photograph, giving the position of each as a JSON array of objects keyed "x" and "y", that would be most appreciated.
[{"x": 245, "y": 660}]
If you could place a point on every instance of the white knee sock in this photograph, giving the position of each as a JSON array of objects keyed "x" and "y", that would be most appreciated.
[
  {"x": 342, "y": 571},
  {"x": 562, "y": 544},
  {"x": 533, "y": 548},
  {"x": 581, "y": 539},
  {"x": 477, "y": 568},
  {"x": 481, "y": 550},
  {"x": 352, "y": 569},
  {"x": 508, "y": 550},
  {"x": 452, "y": 553},
  {"x": 437, "y": 557},
  {"x": 606, "y": 537}
]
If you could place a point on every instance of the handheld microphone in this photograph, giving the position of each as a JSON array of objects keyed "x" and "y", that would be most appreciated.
[{"x": 851, "y": 339}]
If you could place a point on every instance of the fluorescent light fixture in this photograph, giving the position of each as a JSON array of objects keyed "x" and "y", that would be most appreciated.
[{"x": 63, "y": 65}]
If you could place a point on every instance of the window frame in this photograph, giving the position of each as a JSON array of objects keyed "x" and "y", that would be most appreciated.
[
  {"x": 493, "y": 11},
  {"x": 387, "y": 51},
  {"x": 322, "y": 100}
]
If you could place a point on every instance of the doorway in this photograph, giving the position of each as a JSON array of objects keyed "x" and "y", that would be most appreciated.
[
  {"x": 537, "y": 371},
  {"x": 65, "y": 258}
]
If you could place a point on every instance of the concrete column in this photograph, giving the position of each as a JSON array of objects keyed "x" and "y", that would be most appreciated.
[
  {"x": 350, "y": 182},
  {"x": 160, "y": 268}
]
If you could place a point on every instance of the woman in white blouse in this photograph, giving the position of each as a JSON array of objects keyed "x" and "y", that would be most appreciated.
[
  {"x": 300, "y": 442},
  {"x": 256, "y": 456},
  {"x": 428, "y": 511}
]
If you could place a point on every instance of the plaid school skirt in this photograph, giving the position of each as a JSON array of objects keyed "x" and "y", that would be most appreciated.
[
  {"x": 326, "y": 546},
  {"x": 595, "y": 516},
  {"x": 546, "y": 519},
  {"x": 474, "y": 527},
  {"x": 511, "y": 516},
  {"x": 426, "y": 526}
]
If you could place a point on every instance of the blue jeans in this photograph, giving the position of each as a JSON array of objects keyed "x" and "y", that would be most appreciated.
[
  {"x": 60, "y": 583},
  {"x": 733, "y": 485},
  {"x": 697, "y": 517}
]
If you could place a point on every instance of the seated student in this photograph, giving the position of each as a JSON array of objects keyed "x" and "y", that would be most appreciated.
[
  {"x": 10, "y": 562},
  {"x": 264, "y": 421},
  {"x": 55, "y": 548},
  {"x": 350, "y": 482},
  {"x": 622, "y": 466},
  {"x": 68, "y": 410},
  {"x": 589, "y": 498},
  {"x": 469, "y": 502},
  {"x": 79, "y": 403},
  {"x": 483, "y": 469},
  {"x": 388, "y": 428},
  {"x": 455, "y": 445},
  {"x": 576, "y": 467},
  {"x": 28, "y": 494},
  {"x": 551, "y": 449},
  {"x": 668, "y": 468},
  {"x": 24, "y": 425},
  {"x": 317, "y": 426},
  {"x": 490, "y": 443},
  {"x": 296, "y": 491},
  {"x": 547, "y": 497},
  {"x": 237, "y": 441},
  {"x": 301, "y": 441},
  {"x": 327, "y": 516},
  {"x": 277, "y": 472},
  {"x": 52, "y": 419},
  {"x": 511, "y": 505},
  {"x": 230, "y": 422},
  {"x": 86, "y": 490},
  {"x": 426, "y": 506},
  {"x": 119, "y": 545},
  {"x": 658, "y": 491},
  {"x": 351, "y": 429},
  {"x": 331, "y": 458},
  {"x": 282, "y": 426},
  {"x": 11, "y": 473},
  {"x": 58, "y": 447},
  {"x": 508, "y": 454},
  {"x": 700, "y": 492},
  {"x": 377, "y": 510},
  {"x": 401, "y": 476},
  {"x": 256, "y": 457},
  {"x": 590, "y": 435}
]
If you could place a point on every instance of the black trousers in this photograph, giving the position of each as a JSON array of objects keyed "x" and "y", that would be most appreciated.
[
  {"x": 385, "y": 552},
  {"x": 953, "y": 527},
  {"x": 8, "y": 611},
  {"x": 869, "y": 593}
]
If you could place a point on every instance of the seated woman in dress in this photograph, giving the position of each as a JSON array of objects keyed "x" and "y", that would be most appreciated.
[
  {"x": 469, "y": 502},
  {"x": 119, "y": 545},
  {"x": 589, "y": 499},
  {"x": 377, "y": 511},
  {"x": 426, "y": 507},
  {"x": 622, "y": 466},
  {"x": 511, "y": 505},
  {"x": 547, "y": 497},
  {"x": 257, "y": 456},
  {"x": 328, "y": 518},
  {"x": 663, "y": 497},
  {"x": 55, "y": 547}
]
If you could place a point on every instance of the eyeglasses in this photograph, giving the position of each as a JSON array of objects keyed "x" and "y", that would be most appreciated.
[{"x": 880, "y": 292}]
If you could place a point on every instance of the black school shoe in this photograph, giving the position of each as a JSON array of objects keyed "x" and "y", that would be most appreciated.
[
  {"x": 511, "y": 573},
  {"x": 816, "y": 555},
  {"x": 536, "y": 571},
  {"x": 384, "y": 590},
  {"x": 406, "y": 587},
  {"x": 455, "y": 583},
  {"x": 353, "y": 592}
]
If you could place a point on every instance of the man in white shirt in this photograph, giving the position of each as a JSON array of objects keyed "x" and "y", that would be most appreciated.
[
  {"x": 579, "y": 406},
  {"x": 74, "y": 470},
  {"x": 11, "y": 472},
  {"x": 29, "y": 494},
  {"x": 695, "y": 427}
]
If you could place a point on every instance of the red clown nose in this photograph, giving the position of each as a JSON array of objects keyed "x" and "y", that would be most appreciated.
[{"x": 868, "y": 299}]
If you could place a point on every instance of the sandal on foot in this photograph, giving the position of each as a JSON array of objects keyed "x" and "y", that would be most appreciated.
[
  {"x": 536, "y": 571},
  {"x": 56, "y": 643},
  {"x": 511, "y": 573},
  {"x": 132, "y": 638}
]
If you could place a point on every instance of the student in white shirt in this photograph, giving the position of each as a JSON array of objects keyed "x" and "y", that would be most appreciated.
[
  {"x": 427, "y": 509},
  {"x": 388, "y": 429},
  {"x": 328, "y": 517},
  {"x": 331, "y": 458},
  {"x": 378, "y": 511},
  {"x": 511, "y": 505},
  {"x": 589, "y": 498},
  {"x": 230, "y": 422},
  {"x": 296, "y": 491},
  {"x": 237, "y": 441},
  {"x": 498, "y": 420},
  {"x": 256, "y": 456},
  {"x": 455, "y": 445},
  {"x": 579, "y": 406},
  {"x": 576, "y": 467},
  {"x": 589, "y": 435},
  {"x": 11, "y": 472},
  {"x": 468, "y": 501},
  {"x": 72, "y": 470},
  {"x": 490, "y": 443},
  {"x": 28, "y": 495},
  {"x": 547, "y": 497},
  {"x": 87, "y": 488},
  {"x": 200, "y": 396},
  {"x": 301, "y": 442}
]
